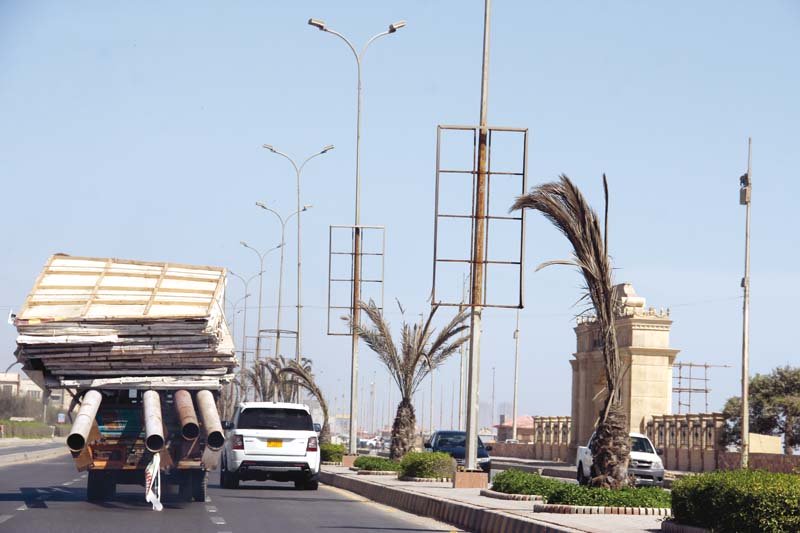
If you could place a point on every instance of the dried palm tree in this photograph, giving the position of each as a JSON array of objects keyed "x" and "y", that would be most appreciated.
[
  {"x": 300, "y": 374},
  {"x": 267, "y": 382},
  {"x": 563, "y": 204},
  {"x": 418, "y": 355}
]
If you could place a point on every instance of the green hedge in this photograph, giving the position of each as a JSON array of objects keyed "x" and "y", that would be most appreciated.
[
  {"x": 738, "y": 500},
  {"x": 26, "y": 430},
  {"x": 555, "y": 491},
  {"x": 331, "y": 453},
  {"x": 371, "y": 462},
  {"x": 569, "y": 494},
  {"x": 427, "y": 464},
  {"x": 518, "y": 482}
]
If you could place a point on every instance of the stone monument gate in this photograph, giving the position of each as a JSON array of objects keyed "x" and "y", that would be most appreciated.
[{"x": 643, "y": 341}]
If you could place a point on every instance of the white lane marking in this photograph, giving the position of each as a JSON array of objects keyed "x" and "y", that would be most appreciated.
[
  {"x": 84, "y": 476},
  {"x": 211, "y": 509},
  {"x": 218, "y": 520},
  {"x": 4, "y": 517},
  {"x": 67, "y": 483},
  {"x": 22, "y": 507},
  {"x": 208, "y": 499}
]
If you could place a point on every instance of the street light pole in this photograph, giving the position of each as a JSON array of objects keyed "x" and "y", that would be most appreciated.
[
  {"x": 243, "y": 369},
  {"x": 478, "y": 267},
  {"x": 261, "y": 257},
  {"x": 744, "y": 199},
  {"x": 283, "y": 222},
  {"x": 298, "y": 169},
  {"x": 319, "y": 24},
  {"x": 516, "y": 381}
]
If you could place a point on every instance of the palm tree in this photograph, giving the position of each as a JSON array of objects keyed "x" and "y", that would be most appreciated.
[
  {"x": 563, "y": 204},
  {"x": 301, "y": 375},
  {"x": 418, "y": 355},
  {"x": 268, "y": 384}
]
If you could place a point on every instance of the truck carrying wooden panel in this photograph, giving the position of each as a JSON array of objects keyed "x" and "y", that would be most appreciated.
[
  {"x": 144, "y": 349},
  {"x": 90, "y": 319}
]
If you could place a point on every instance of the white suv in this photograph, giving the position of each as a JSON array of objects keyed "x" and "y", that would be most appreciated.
[{"x": 268, "y": 440}]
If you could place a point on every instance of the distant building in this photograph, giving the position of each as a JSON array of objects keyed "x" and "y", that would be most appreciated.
[{"x": 20, "y": 386}]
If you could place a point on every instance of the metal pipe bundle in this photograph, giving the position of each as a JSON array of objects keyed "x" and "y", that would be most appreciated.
[
  {"x": 153, "y": 424},
  {"x": 215, "y": 439},
  {"x": 84, "y": 420},
  {"x": 190, "y": 429}
]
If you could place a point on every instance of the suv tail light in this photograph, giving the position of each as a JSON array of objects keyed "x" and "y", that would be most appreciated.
[
  {"x": 238, "y": 442},
  {"x": 312, "y": 444}
]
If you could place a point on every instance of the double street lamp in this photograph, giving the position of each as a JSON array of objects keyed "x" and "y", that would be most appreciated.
[
  {"x": 356, "y": 292},
  {"x": 282, "y": 245},
  {"x": 261, "y": 256},
  {"x": 298, "y": 169}
]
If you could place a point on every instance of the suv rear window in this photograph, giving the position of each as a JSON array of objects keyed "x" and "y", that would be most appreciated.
[{"x": 262, "y": 418}]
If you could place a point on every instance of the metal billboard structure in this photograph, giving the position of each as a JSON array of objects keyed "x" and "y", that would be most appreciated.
[
  {"x": 370, "y": 249},
  {"x": 470, "y": 170}
]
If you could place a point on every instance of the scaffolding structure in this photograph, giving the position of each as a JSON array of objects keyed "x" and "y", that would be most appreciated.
[{"x": 687, "y": 384}]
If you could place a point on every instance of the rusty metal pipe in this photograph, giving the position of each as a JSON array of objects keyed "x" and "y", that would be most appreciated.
[
  {"x": 153, "y": 424},
  {"x": 84, "y": 420},
  {"x": 190, "y": 429},
  {"x": 215, "y": 439}
]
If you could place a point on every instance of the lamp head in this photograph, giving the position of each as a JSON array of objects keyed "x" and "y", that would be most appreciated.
[
  {"x": 261, "y": 205},
  {"x": 326, "y": 149},
  {"x": 268, "y": 147},
  {"x": 319, "y": 24},
  {"x": 244, "y": 244},
  {"x": 396, "y": 26},
  {"x": 307, "y": 207}
]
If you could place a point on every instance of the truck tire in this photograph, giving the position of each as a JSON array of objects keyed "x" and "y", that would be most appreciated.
[
  {"x": 228, "y": 480},
  {"x": 185, "y": 486},
  {"x": 199, "y": 485},
  {"x": 97, "y": 486}
]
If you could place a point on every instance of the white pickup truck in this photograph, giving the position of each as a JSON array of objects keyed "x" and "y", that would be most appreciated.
[{"x": 645, "y": 465}]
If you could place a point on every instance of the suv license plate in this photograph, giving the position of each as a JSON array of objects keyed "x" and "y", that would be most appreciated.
[{"x": 274, "y": 443}]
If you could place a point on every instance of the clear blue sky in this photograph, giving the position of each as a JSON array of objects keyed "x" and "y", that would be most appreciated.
[{"x": 134, "y": 130}]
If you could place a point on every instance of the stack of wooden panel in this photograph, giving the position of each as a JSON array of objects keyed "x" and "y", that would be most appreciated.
[{"x": 89, "y": 318}]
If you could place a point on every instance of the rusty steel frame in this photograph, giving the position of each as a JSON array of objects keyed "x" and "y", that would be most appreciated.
[
  {"x": 331, "y": 280},
  {"x": 489, "y": 217}
]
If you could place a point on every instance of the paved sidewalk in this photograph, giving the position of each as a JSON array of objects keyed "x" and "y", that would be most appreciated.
[
  {"x": 15, "y": 450},
  {"x": 471, "y": 498}
]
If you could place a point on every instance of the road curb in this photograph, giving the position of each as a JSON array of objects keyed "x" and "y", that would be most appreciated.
[
  {"x": 36, "y": 455},
  {"x": 462, "y": 515}
]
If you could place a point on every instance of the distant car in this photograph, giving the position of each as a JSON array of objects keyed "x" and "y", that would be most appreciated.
[
  {"x": 453, "y": 443},
  {"x": 645, "y": 464},
  {"x": 268, "y": 440}
]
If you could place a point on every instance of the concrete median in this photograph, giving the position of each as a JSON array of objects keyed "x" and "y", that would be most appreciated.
[
  {"x": 29, "y": 456},
  {"x": 458, "y": 513}
]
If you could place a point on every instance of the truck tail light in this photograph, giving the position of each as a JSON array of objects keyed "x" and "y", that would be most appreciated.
[
  {"x": 312, "y": 444},
  {"x": 238, "y": 442}
]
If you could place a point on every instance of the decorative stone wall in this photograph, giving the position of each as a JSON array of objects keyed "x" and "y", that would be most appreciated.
[
  {"x": 545, "y": 438},
  {"x": 689, "y": 442}
]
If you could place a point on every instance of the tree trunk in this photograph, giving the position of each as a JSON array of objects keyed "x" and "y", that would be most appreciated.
[
  {"x": 403, "y": 429},
  {"x": 788, "y": 434},
  {"x": 611, "y": 450}
]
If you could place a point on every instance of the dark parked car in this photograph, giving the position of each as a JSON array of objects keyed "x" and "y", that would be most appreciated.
[{"x": 453, "y": 443}]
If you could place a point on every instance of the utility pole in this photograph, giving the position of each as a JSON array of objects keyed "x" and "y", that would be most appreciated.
[
  {"x": 744, "y": 199},
  {"x": 516, "y": 381},
  {"x": 491, "y": 422},
  {"x": 478, "y": 253},
  {"x": 463, "y": 367},
  {"x": 430, "y": 419},
  {"x": 452, "y": 404},
  {"x": 372, "y": 405}
]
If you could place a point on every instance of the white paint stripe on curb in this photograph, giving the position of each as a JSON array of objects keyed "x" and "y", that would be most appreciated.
[{"x": 27, "y": 457}]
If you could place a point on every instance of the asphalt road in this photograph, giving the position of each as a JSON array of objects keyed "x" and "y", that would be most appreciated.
[{"x": 51, "y": 496}]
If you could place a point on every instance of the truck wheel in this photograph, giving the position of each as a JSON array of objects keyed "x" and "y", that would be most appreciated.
[
  {"x": 185, "y": 486},
  {"x": 227, "y": 479},
  {"x": 96, "y": 486},
  {"x": 199, "y": 485}
]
